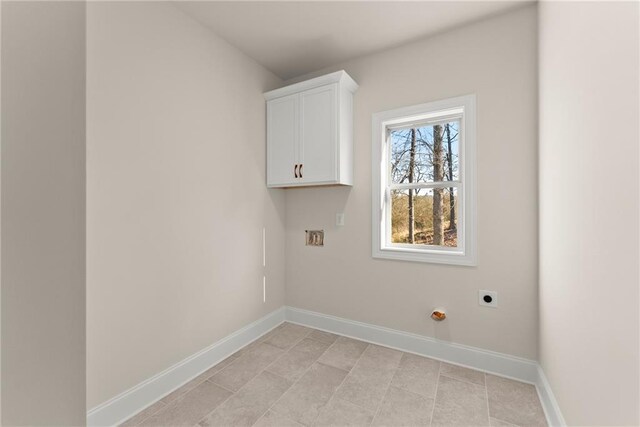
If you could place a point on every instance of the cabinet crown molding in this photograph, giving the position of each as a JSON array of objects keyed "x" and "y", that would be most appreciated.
[{"x": 340, "y": 77}]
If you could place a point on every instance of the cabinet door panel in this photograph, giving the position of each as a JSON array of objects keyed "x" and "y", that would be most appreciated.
[
  {"x": 319, "y": 137},
  {"x": 282, "y": 140}
]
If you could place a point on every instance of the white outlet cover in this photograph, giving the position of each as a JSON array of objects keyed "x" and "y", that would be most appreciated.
[
  {"x": 339, "y": 219},
  {"x": 492, "y": 294}
]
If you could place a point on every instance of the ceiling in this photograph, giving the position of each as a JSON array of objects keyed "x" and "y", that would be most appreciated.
[{"x": 292, "y": 38}]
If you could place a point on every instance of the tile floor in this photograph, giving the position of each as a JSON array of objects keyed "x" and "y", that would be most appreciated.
[{"x": 297, "y": 376}]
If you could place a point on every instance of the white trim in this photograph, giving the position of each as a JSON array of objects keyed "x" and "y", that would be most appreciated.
[
  {"x": 139, "y": 397},
  {"x": 500, "y": 364},
  {"x": 464, "y": 108},
  {"x": 548, "y": 400}
]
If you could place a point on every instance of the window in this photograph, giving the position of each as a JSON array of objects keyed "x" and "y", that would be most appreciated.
[{"x": 424, "y": 201}]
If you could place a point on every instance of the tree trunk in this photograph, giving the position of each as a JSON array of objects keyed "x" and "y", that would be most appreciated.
[
  {"x": 452, "y": 201},
  {"x": 438, "y": 169},
  {"x": 412, "y": 161}
]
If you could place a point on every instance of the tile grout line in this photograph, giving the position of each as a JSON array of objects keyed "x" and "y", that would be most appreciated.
[
  {"x": 223, "y": 387},
  {"x": 384, "y": 396},
  {"x": 241, "y": 356},
  {"x": 462, "y": 381},
  {"x": 486, "y": 394},
  {"x": 505, "y": 422},
  {"x": 233, "y": 362},
  {"x": 293, "y": 384},
  {"x": 444, "y": 374},
  {"x": 388, "y": 385},
  {"x": 287, "y": 351},
  {"x": 260, "y": 340},
  {"x": 342, "y": 382},
  {"x": 177, "y": 400},
  {"x": 435, "y": 394},
  {"x": 217, "y": 406},
  {"x": 200, "y": 382},
  {"x": 270, "y": 408},
  {"x": 415, "y": 393},
  {"x": 323, "y": 342}
]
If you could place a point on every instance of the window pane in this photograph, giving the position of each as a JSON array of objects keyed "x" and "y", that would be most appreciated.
[
  {"x": 430, "y": 215},
  {"x": 425, "y": 154}
]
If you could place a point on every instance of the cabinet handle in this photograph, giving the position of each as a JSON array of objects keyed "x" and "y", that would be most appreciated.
[
  {"x": 295, "y": 171},
  {"x": 300, "y": 170}
]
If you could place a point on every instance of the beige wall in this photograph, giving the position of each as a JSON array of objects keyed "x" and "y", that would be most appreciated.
[
  {"x": 496, "y": 60},
  {"x": 589, "y": 213},
  {"x": 176, "y": 193},
  {"x": 43, "y": 213}
]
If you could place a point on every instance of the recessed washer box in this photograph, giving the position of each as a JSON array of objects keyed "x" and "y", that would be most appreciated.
[{"x": 314, "y": 237}]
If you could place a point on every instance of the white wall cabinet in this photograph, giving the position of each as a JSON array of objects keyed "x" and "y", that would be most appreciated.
[{"x": 310, "y": 132}]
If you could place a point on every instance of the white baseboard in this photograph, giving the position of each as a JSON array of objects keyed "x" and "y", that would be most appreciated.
[
  {"x": 134, "y": 400},
  {"x": 483, "y": 360},
  {"x": 504, "y": 365},
  {"x": 548, "y": 400}
]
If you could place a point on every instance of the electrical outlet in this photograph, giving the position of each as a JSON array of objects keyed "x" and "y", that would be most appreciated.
[
  {"x": 340, "y": 219},
  {"x": 488, "y": 298}
]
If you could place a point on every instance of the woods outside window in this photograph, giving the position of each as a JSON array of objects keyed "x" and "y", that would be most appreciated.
[{"x": 424, "y": 182}]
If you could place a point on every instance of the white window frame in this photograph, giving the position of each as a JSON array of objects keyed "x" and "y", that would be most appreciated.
[{"x": 461, "y": 108}]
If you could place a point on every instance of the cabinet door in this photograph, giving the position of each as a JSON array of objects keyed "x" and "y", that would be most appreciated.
[
  {"x": 282, "y": 140},
  {"x": 319, "y": 136}
]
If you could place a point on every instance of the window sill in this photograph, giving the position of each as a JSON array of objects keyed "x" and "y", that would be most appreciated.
[{"x": 432, "y": 256}]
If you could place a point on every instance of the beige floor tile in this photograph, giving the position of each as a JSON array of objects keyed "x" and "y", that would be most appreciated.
[
  {"x": 273, "y": 419},
  {"x": 403, "y": 408},
  {"x": 246, "y": 367},
  {"x": 308, "y": 345},
  {"x": 197, "y": 380},
  {"x": 514, "y": 402},
  {"x": 459, "y": 403},
  {"x": 303, "y": 401},
  {"x": 381, "y": 357},
  {"x": 247, "y": 406},
  {"x": 248, "y": 348},
  {"x": 340, "y": 381},
  {"x": 252, "y": 345},
  {"x": 294, "y": 363},
  {"x": 368, "y": 381},
  {"x": 417, "y": 374},
  {"x": 499, "y": 423},
  {"x": 190, "y": 408},
  {"x": 460, "y": 373},
  {"x": 342, "y": 413},
  {"x": 274, "y": 331},
  {"x": 143, "y": 415},
  {"x": 287, "y": 336},
  {"x": 343, "y": 353},
  {"x": 327, "y": 337},
  {"x": 184, "y": 389}
]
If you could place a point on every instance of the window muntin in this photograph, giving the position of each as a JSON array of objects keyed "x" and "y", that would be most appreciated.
[{"x": 424, "y": 194}]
